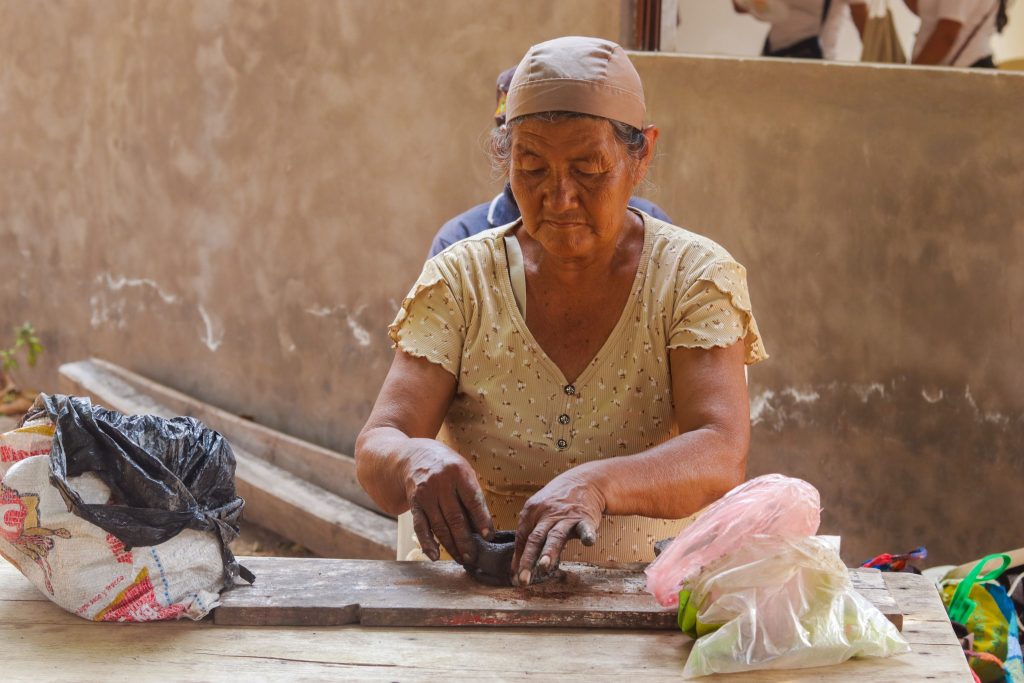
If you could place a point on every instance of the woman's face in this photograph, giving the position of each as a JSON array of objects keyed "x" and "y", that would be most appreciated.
[{"x": 572, "y": 180}]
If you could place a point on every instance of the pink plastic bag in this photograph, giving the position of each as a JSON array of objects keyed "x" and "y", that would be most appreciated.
[{"x": 769, "y": 504}]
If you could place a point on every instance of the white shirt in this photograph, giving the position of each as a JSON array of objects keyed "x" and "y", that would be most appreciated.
[
  {"x": 972, "y": 14},
  {"x": 791, "y": 20},
  {"x": 838, "y": 14}
]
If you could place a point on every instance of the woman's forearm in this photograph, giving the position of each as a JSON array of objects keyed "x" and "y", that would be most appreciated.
[
  {"x": 939, "y": 43},
  {"x": 381, "y": 466},
  {"x": 428, "y": 478},
  {"x": 674, "y": 479},
  {"x": 411, "y": 406},
  {"x": 859, "y": 14}
]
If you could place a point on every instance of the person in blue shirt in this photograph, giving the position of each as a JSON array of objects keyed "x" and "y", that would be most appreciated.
[{"x": 503, "y": 209}]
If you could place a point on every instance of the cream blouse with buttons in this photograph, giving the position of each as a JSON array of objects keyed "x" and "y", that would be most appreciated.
[{"x": 516, "y": 418}]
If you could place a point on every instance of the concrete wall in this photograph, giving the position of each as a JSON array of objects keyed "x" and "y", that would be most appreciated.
[
  {"x": 230, "y": 198},
  {"x": 880, "y": 213}
]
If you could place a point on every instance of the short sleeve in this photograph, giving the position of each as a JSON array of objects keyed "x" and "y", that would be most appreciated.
[
  {"x": 430, "y": 323},
  {"x": 714, "y": 311}
]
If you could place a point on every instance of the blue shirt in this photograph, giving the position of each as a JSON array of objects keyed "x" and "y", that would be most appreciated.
[{"x": 503, "y": 210}]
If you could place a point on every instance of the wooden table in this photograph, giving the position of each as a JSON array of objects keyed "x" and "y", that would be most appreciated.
[{"x": 41, "y": 642}]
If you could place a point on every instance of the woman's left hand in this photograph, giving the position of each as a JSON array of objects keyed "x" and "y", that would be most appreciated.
[{"x": 570, "y": 506}]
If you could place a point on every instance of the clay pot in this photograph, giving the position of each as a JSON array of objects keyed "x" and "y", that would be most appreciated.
[{"x": 494, "y": 558}]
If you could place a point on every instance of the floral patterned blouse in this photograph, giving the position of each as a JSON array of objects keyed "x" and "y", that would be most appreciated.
[{"x": 517, "y": 419}]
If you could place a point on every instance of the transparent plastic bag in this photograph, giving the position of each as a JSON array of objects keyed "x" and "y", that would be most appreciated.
[
  {"x": 769, "y": 504},
  {"x": 780, "y": 603}
]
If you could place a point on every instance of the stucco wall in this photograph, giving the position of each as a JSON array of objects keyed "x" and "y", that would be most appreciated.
[
  {"x": 231, "y": 198},
  {"x": 880, "y": 214}
]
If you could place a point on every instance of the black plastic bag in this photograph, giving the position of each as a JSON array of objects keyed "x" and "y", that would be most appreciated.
[{"x": 165, "y": 475}]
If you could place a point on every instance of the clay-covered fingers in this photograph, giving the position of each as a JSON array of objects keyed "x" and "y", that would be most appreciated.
[
  {"x": 542, "y": 550},
  {"x": 551, "y": 553},
  {"x": 445, "y": 520},
  {"x": 586, "y": 532},
  {"x": 457, "y": 529},
  {"x": 528, "y": 546},
  {"x": 465, "y": 512},
  {"x": 421, "y": 525},
  {"x": 471, "y": 496},
  {"x": 445, "y": 524},
  {"x": 446, "y": 503},
  {"x": 569, "y": 506}
]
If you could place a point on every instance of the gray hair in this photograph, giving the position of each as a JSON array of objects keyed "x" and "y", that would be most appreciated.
[{"x": 632, "y": 139}]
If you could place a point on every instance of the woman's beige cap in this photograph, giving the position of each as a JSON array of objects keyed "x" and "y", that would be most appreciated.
[{"x": 586, "y": 75}]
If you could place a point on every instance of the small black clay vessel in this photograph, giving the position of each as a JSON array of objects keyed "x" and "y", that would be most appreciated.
[
  {"x": 494, "y": 558},
  {"x": 494, "y": 561},
  {"x": 662, "y": 545}
]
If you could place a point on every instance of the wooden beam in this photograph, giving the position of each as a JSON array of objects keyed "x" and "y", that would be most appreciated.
[
  {"x": 327, "y": 524},
  {"x": 640, "y": 25},
  {"x": 276, "y": 499},
  {"x": 327, "y": 469}
]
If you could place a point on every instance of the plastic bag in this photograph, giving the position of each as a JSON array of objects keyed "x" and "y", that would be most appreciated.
[
  {"x": 118, "y": 518},
  {"x": 769, "y": 504},
  {"x": 992, "y": 619},
  {"x": 780, "y": 603},
  {"x": 165, "y": 475}
]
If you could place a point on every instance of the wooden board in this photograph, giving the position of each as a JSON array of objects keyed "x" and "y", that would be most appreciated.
[
  {"x": 327, "y": 524},
  {"x": 331, "y": 471},
  {"x": 315, "y": 592},
  {"x": 275, "y": 499},
  {"x": 50, "y": 644}
]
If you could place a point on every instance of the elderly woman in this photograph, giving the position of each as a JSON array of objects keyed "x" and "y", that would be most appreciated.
[{"x": 578, "y": 373}]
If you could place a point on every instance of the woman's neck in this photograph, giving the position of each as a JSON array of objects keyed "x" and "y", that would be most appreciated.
[{"x": 595, "y": 266}]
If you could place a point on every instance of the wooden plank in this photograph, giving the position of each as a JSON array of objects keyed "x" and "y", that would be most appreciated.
[
  {"x": 328, "y": 525},
  {"x": 870, "y": 584},
  {"x": 906, "y": 589},
  {"x": 276, "y": 499},
  {"x": 311, "y": 592},
  {"x": 52, "y": 645},
  {"x": 331, "y": 471}
]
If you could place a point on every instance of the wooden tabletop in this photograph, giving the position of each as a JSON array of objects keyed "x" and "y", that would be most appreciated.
[
  {"x": 293, "y": 591},
  {"x": 42, "y": 642}
]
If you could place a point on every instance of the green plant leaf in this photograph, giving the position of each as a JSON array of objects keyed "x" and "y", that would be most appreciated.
[
  {"x": 7, "y": 359},
  {"x": 24, "y": 335}
]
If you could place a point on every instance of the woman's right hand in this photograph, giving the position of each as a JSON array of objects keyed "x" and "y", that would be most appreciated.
[
  {"x": 445, "y": 500},
  {"x": 399, "y": 462}
]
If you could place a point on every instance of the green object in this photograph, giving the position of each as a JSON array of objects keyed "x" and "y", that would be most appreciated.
[
  {"x": 686, "y": 617},
  {"x": 704, "y": 629},
  {"x": 991, "y": 628},
  {"x": 961, "y": 606}
]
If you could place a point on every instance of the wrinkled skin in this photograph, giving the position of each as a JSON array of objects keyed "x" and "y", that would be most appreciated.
[
  {"x": 568, "y": 507},
  {"x": 572, "y": 181},
  {"x": 446, "y": 502},
  {"x": 581, "y": 248}
]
